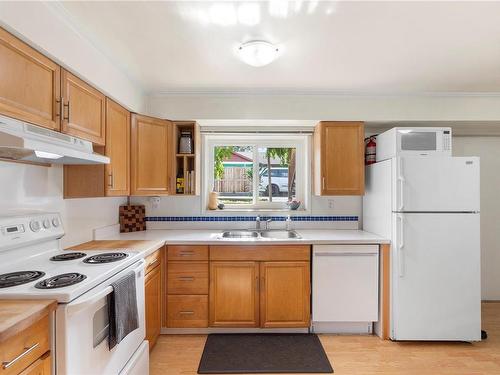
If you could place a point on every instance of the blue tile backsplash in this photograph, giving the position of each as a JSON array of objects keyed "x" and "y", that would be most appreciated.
[{"x": 250, "y": 218}]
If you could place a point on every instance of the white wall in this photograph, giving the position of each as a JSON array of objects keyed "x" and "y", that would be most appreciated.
[
  {"x": 42, "y": 26},
  {"x": 488, "y": 148},
  {"x": 445, "y": 107},
  {"x": 34, "y": 188}
]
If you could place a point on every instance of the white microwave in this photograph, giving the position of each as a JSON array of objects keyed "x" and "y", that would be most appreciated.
[{"x": 413, "y": 142}]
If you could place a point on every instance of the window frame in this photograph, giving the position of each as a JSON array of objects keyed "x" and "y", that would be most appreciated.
[{"x": 302, "y": 144}]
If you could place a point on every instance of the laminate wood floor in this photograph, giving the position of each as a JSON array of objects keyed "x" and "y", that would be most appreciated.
[{"x": 363, "y": 355}]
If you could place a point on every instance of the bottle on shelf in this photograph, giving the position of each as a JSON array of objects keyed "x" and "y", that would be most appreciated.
[{"x": 179, "y": 182}]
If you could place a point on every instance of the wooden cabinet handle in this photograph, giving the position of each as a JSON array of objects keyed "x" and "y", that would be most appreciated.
[
  {"x": 186, "y": 278},
  {"x": 323, "y": 183},
  {"x": 67, "y": 106},
  {"x": 111, "y": 180},
  {"x": 186, "y": 253},
  {"x": 26, "y": 351},
  {"x": 58, "y": 108},
  {"x": 186, "y": 312},
  {"x": 153, "y": 262}
]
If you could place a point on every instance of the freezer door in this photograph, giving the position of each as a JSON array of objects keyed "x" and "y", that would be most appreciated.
[
  {"x": 436, "y": 292},
  {"x": 424, "y": 184}
]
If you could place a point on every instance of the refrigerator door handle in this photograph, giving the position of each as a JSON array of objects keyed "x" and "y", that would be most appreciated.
[
  {"x": 401, "y": 181},
  {"x": 400, "y": 245}
]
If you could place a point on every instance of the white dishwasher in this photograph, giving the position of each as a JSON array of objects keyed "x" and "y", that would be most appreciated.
[{"x": 345, "y": 282}]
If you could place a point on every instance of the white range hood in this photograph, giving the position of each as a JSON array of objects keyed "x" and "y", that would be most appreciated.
[{"x": 21, "y": 141}]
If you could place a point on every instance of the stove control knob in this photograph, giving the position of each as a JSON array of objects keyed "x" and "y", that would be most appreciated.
[
  {"x": 46, "y": 223},
  {"x": 35, "y": 225},
  {"x": 55, "y": 222}
]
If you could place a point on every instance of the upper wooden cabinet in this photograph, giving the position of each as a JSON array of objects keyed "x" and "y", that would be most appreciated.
[
  {"x": 285, "y": 294},
  {"x": 113, "y": 179},
  {"x": 117, "y": 149},
  {"x": 339, "y": 167},
  {"x": 84, "y": 109},
  {"x": 151, "y": 155},
  {"x": 29, "y": 83}
]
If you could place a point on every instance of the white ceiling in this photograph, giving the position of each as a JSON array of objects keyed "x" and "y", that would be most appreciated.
[{"x": 372, "y": 47}]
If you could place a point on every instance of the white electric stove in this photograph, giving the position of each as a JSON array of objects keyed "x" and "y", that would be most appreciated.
[{"x": 34, "y": 266}]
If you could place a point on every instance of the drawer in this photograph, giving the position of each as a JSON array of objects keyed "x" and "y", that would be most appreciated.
[
  {"x": 27, "y": 346},
  {"x": 153, "y": 260},
  {"x": 260, "y": 252},
  {"x": 187, "y": 278},
  {"x": 187, "y": 311},
  {"x": 187, "y": 253}
]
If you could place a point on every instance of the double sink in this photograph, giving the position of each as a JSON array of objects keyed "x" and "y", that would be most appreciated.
[{"x": 260, "y": 234}]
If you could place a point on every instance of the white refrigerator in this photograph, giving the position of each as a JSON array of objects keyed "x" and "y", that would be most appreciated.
[{"x": 429, "y": 208}]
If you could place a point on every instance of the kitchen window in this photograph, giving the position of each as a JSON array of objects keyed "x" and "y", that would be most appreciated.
[{"x": 257, "y": 171}]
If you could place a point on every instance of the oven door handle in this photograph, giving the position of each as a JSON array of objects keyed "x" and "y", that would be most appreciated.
[{"x": 78, "y": 305}]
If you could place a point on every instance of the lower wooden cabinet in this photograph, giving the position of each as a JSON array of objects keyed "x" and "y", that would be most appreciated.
[
  {"x": 153, "y": 301},
  {"x": 187, "y": 287},
  {"x": 41, "y": 366},
  {"x": 234, "y": 294},
  {"x": 258, "y": 286},
  {"x": 285, "y": 290},
  {"x": 30, "y": 347},
  {"x": 238, "y": 286},
  {"x": 187, "y": 311}
]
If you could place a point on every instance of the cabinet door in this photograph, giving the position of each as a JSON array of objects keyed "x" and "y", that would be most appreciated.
[
  {"x": 234, "y": 296},
  {"x": 153, "y": 305},
  {"x": 29, "y": 83},
  {"x": 117, "y": 149},
  {"x": 41, "y": 366},
  {"x": 150, "y": 156},
  {"x": 83, "y": 109},
  {"x": 339, "y": 158},
  {"x": 284, "y": 294}
]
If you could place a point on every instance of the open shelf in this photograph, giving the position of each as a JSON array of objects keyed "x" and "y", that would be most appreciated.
[{"x": 187, "y": 166}]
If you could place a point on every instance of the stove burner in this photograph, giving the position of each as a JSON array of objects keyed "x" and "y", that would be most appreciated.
[
  {"x": 60, "y": 281},
  {"x": 105, "y": 258},
  {"x": 67, "y": 256},
  {"x": 18, "y": 278}
]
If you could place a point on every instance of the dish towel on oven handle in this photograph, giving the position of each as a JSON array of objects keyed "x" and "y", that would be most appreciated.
[{"x": 122, "y": 309}]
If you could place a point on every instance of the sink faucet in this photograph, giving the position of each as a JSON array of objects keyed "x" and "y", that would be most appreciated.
[
  {"x": 257, "y": 222},
  {"x": 268, "y": 221}
]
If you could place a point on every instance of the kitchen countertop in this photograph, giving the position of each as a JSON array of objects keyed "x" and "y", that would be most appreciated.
[
  {"x": 17, "y": 315},
  {"x": 152, "y": 239},
  {"x": 143, "y": 246}
]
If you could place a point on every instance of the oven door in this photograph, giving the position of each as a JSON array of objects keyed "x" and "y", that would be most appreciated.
[{"x": 82, "y": 330}]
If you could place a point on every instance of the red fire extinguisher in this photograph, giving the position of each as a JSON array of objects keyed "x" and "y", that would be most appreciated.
[{"x": 370, "y": 149}]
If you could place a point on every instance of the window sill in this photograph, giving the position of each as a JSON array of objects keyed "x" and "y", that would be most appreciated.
[{"x": 255, "y": 210}]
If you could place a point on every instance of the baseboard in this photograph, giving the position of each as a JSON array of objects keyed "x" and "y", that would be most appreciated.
[
  {"x": 206, "y": 331},
  {"x": 345, "y": 328}
]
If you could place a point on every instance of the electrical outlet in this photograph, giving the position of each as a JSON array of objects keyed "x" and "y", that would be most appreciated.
[
  {"x": 155, "y": 202},
  {"x": 330, "y": 204}
]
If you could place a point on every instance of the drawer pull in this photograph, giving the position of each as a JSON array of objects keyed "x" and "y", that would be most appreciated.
[
  {"x": 153, "y": 262},
  {"x": 186, "y": 312},
  {"x": 345, "y": 254},
  {"x": 27, "y": 351},
  {"x": 186, "y": 278},
  {"x": 186, "y": 253}
]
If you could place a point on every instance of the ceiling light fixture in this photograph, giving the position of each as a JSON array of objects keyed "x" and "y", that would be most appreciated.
[{"x": 258, "y": 53}]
